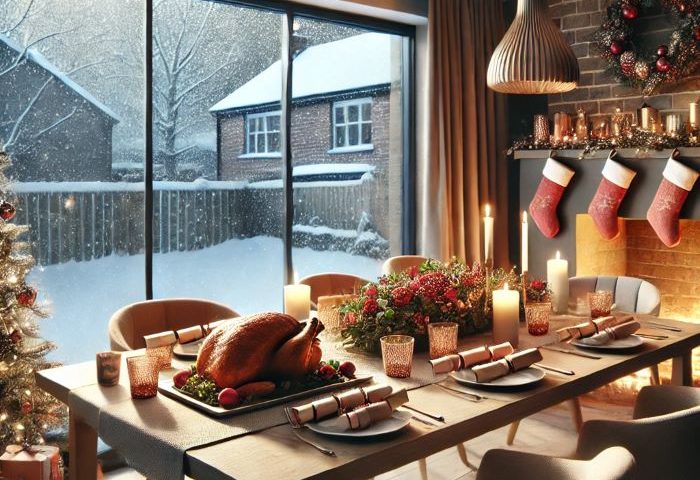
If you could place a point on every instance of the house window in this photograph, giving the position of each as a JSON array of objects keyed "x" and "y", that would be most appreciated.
[
  {"x": 263, "y": 133},
  {"x": 352, "y": 125}
]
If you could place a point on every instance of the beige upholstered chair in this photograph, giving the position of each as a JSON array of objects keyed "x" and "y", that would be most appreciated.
[
  {"x": 332, "y": 284},
  {"x": 615, "y": 463},
  {"x": 402, "y": 262},
  {"x": 129, "y": 324},
  {"x": 662, "y": 435}
]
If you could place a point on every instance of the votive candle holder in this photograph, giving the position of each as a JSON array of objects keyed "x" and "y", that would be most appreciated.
[
  {"x": 108, "y": 368},
  {"x": 329, "y": 311},
  {"x": 163, "y": 355},
  {"x": 442, "y": 338},
  {"x": 600, "y": 303},
  {"x": 537, "y": 317},
  {"x": 143, "y": 376},
  {"x": 397, "y": 355}
]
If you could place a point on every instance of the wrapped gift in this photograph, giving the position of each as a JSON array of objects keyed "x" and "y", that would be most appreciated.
[{"x": 31, "y": 463}]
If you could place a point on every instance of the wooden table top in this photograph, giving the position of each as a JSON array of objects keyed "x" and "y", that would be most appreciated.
[{"x": 278, "y": 453}]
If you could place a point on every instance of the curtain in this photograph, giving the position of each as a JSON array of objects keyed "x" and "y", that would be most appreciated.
[{"x": 462, "y": 159}]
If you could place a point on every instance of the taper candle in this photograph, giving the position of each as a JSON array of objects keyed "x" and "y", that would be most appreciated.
[
  {"x": 558, "y": 282},
  {"x": 506, "y": 315},
  {"x": 694, "y": 115},
  {"x": 297, "y": 301},
  {"x": 523, "y": 243},
  {"x": 488, "y": 235}
]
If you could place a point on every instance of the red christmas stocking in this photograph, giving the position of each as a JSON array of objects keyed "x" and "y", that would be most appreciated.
[
  {"x": 543, "y": 207},
  {"x": 606, "y": 201},
  {"x": 663, "y": 213}
]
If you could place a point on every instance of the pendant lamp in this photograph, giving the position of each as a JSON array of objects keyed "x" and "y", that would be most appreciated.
[{"x": 533, "y": 57}]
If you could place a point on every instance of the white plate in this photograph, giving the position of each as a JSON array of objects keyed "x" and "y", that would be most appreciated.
[
  {"x": 393, "y": 424},
  {"x": 624, "y": 343},
  {"x": 518, "y": 379}
]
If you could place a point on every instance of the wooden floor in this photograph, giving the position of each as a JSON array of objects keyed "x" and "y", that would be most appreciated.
[{"x": 551, "y": 432}]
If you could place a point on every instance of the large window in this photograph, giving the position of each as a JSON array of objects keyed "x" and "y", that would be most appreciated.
[{"x": 352, "y": 125}]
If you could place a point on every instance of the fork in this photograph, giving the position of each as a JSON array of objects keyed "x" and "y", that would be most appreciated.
[
  {"x": 474, "y": 397},
  {"x": 297, "y": 426}
]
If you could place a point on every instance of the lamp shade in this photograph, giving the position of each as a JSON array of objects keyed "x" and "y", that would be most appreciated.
[{"x": 533, "y": 57}]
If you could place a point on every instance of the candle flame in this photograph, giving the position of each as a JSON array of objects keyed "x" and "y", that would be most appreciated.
[
  {"x": 296, "y": 278},
  {"x": 505, "y": 286},
  {"x": 558, "y": 257},
  {"x": 524, "y": 216},
  {"x": 487, "y": 210}
]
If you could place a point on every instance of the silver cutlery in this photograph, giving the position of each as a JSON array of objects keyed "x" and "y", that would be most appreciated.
[
  {"x": 297, "y": 426},
  {"x": 434, "y": 416},
  {"x": 474, "y": 397},
  {"x": 424, "y": 421},
  {"x": 555, "y": 369},
  {"x": 652, "y": 337},
  {"x": 571, "y": 352},
  {"x": 660, "y": 326}
]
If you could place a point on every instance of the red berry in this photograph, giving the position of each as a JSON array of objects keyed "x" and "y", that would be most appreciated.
[
  {"x": 663, "y": 65},
  {"x": 347, "y": 369},
  {"x": 662, "y": 50},
  {"x": 630, "y": 12},
  {"x": 228, "y": 398},
  {"x": 326, "y": 372},
  {"x": 181, "y": 377},
  {"x": 616, "y": 48},
  {"x": 7, "y": 211}
]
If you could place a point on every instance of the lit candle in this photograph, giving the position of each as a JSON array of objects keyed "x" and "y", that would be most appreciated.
[
  {"x": 694, "y": 115},
  {"x": 297, "y": 301},
  {"x": 488, "y": 235},
  {"x": 558, "y": 282},
  {"x": 523, "y": 243},
  {"x": 506, "y": 315}
]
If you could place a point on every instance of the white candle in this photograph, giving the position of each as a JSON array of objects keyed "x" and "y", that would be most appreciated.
[
  {"x": 558, "y": 282},
  {"x": 488, "y": 235},
  {"x": 523, "y": 243},
  {"x": 506, "y": 315},
  {"x": 297, "y": 301},
  {"x": 694, "y": 115}
]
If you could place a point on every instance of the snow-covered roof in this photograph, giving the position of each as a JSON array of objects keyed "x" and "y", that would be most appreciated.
[
  {"x": 352, "y": 63},
  {"x": 37, "y": 58}
]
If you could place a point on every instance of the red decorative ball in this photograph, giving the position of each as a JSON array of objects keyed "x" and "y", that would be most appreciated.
[
  {"x": 662, "y": 50},
  {"x": 7, "y": 210},
  {"x": 26, "y": 407},
  {"x": 616, "y": 48},
  {"x": 696, "y": 33},
  {"x": 663, "y": 65},
  {"x": 630, "y": 12},
  {"x": 26, "y": 296},
  {"x": 16, "y": 336}
]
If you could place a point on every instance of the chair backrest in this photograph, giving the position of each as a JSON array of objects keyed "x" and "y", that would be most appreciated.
[
  {"x": 631, "y": 294},
  {"x": 402, "y": 262},
  {"x": 129, "y": 324},
  {"x": 332, "y": 284}
]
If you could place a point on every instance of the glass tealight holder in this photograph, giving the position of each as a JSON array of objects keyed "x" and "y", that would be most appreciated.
[
  {"x": 143, "y": 376},
  {"x": 537, "y": 317},
  {"x": 600, "y": 303},
  {"x": 442, "y": 338},
  {"x": 162, "y": 355},
  {"x": 397, "y": 355},
  {"x": 108, "y": 368}
]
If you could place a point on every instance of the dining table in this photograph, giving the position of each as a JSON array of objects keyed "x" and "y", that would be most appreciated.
[{"x": 276, "y": 451}]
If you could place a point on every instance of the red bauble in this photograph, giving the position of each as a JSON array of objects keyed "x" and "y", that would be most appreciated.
[
  {"x": 696, "y": 33},
  {"x": 662, "y": 50},
  {"x": 7, "y": 210},
  {"x": 630, "y": 12},
  {"x": 26, "y": 408},
  {"x": 616, "y": 48},
  {"x": 16, "y": 336},
  {"x": 26, "y": 296},
  {"x": 663, "y": 65}
]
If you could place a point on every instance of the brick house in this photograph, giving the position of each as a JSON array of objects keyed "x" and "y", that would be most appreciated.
[
  {"x": 63, "y": 133},
  {"x": 343, "y": 94}
]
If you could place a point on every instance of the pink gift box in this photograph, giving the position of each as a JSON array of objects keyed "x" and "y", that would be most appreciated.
[{"x": 31, "y": 463}]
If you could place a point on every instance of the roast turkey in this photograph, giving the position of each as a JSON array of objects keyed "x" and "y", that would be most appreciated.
[{"x": 264, "y": 346}]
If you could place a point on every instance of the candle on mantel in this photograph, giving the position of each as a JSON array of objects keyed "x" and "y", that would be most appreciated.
[
  {"x": 694, "y": 115},
  {"x": 488, "y": 235},
  {"x": 506, "y": 315},
  {"x": 523, "y": 243},
  {"x": 297, "y": 301},
  {"x": 558, "y": 282}
]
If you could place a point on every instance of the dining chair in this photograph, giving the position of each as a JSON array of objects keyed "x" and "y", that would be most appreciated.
[
  {"x": 402, "y": 262},
  {"x": 614, "y": 463},
  {"x": 662, "y": 434},
  {"x": 331, "y": 283},
  {"x": 630, "y": 294},
  {"x": 129, "y": 324}
]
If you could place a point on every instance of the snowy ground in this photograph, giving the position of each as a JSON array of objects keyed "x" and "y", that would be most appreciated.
[{"x": 244, "y": 274}]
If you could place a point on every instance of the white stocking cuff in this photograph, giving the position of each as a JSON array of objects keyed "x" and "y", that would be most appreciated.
[
  {"x": 618, "y": 173},
  {"x": 557, "y": 172},
  {"x": 680, "y": 175}
]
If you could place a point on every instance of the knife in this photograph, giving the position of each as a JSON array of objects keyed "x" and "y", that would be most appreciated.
[
  {"x": 572, "y": 352},
  {"x": 555, "y": 369},
  {"x": 663, "y": 327}
]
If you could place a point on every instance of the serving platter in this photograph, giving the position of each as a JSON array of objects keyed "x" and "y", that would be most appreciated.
[{"x": 166, "y": 387}]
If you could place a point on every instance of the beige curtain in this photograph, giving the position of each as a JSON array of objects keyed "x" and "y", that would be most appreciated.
[{"x": 464, "y": 133}]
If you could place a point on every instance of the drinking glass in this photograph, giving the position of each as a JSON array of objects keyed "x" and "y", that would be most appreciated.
[
  {"x": 600, "y": 303},
  {"x": 397, "y": 355},
  {"x": 442, "y": 338},
  {"x": 163, "y": 355},
  {"x": 143, "y": 376},
  {"x": 537, "y": 317},
  {"x": 108, "y": 368}
]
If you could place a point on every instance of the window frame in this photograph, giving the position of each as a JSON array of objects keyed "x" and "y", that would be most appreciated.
[
  {"x": 267, "y": 153},
  {"x": 344, "y": 104}
]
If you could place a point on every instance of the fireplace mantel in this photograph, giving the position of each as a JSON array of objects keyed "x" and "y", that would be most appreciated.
[{"x": 648, "y": 165}]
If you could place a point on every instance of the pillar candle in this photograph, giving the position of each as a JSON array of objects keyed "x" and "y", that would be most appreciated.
[
  {"x": 558, "y": 282},
  {"x": 523, "y": 243},
  {"x": 694, "y": 115},
  {"x": 562, "y": 126},
  {"x": 488, "y": 235},
  {"x": 506, "y": 315},
  {"x": 297, "y": 301}
]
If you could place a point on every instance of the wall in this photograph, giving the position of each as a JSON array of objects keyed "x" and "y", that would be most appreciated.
[{"x": 598, "y": 94}]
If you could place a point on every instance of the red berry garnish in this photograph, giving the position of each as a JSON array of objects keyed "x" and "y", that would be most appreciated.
[
  {"x": 347, "y": 369},
  {"x": 326, "y": 372},
  {"x": 228, "y": 398},
  {"x": 181, "y": 377}
]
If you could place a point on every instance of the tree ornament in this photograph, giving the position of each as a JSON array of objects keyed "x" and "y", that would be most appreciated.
[
  {"x": 630, "y": 12},
  {"x": 641, "y": 69},
  {"x": 627, "y": 63},
  {"x": 7, "y": 211},
  {"x": 27, "y": 407},
  {"x": 663, "y": 65},
  {"x": 26, "y": 296},
  {"x": 616, "y": 48},
  {"x": 662, "y": 50},
  {"x": 696, "y": 33},
  {"x": 16, "y": 336}
]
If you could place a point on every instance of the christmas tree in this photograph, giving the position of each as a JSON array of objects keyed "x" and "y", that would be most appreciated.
[{"x": 26, "y": 412}]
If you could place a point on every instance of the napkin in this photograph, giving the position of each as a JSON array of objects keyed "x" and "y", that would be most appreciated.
[
  {"x": 160, "y": 339},
  {"x": 368, "y": 415},
  {"x": 190, "y": 334},
  {"x": 591, "y": 327},
  {"x": 335, "y": 404},
  {"x": 468, "y": 358},
  {"x": 612, "y": 333},
  {"x": 511, "y": 363}
]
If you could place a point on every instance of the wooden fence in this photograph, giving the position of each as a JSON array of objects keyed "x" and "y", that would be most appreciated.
[{"x": 68, "y": 223}]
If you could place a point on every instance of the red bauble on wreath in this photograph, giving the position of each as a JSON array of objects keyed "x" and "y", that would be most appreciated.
[
  {"x": 26, "y": 296},
  {"x": 619, "y": 43},
  {"x": 7, "y": 210}
]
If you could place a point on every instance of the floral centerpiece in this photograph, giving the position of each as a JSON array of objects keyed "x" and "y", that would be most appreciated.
[
  {"x": 538, "y": 291},
  {"x": 405, "y": 302}
]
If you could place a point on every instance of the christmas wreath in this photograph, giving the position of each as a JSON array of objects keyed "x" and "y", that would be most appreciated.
[{"x": 636, "y": 64}]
